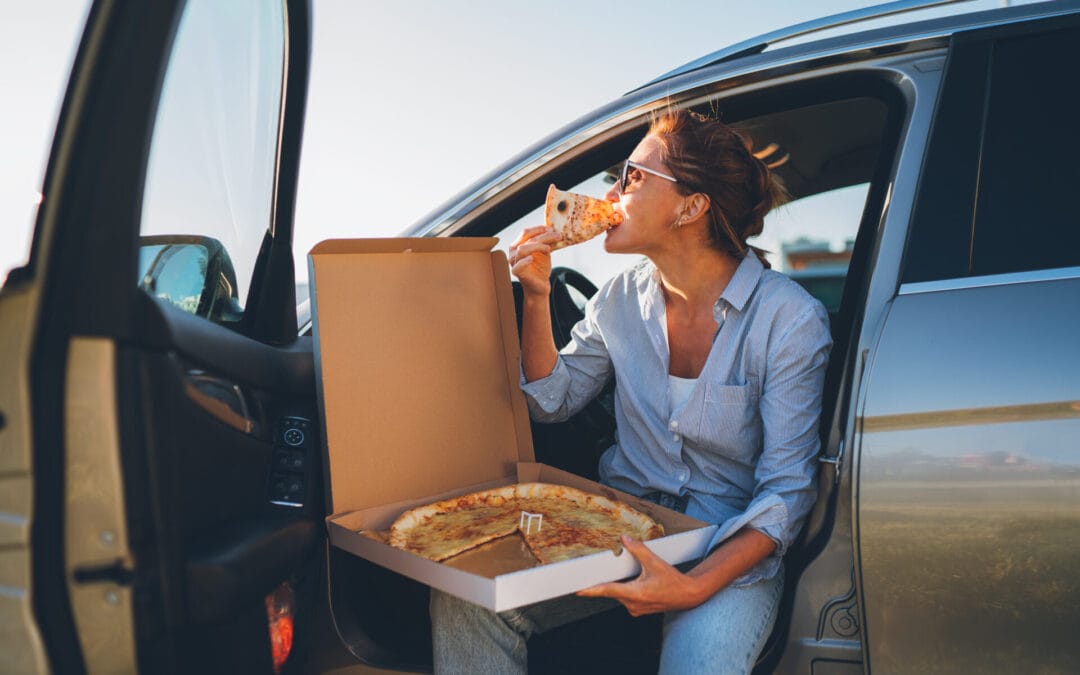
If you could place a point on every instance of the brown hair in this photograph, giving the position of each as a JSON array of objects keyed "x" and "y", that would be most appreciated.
[{"x": 710, "y": 157}]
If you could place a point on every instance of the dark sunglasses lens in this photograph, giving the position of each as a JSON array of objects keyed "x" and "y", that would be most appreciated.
[{"x": 623, "y": 175}]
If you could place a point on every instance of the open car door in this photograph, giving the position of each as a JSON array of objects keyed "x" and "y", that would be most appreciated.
[{"x": 158, "y": 402}]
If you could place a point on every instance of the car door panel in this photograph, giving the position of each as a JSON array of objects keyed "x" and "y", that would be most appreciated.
[
  {"x": 229, "y": 354},
  {"x": 967, "y": 480},
  {"x": 212, "y": 466},
  {"x": 237, "y": 564}
]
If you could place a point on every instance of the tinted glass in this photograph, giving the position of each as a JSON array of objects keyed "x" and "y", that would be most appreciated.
[
  {"x": 995, "y": 191},
  {"x": 939, "y": 245},
  {"x": 1026, "y": 214}
]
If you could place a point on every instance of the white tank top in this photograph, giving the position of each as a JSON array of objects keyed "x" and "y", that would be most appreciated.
[
  {"x": 680, "y": 390},
  {"x": 680, "y": 387}
]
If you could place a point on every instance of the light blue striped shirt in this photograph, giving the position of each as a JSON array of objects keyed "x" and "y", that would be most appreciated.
[{"x": 743, "y": 448}]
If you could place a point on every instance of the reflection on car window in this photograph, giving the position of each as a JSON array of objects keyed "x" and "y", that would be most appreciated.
[{"x": 214, "y": 150}]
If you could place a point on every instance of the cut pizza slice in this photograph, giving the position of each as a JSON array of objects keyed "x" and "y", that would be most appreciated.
[
  {"x": 579, "y": 524},
  {"x": 578, "y": 218},
  {"x": 444, "y": 529}
]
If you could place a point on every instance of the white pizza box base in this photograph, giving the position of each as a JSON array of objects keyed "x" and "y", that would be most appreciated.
[
  {"x": 417, "y": 368},
  {"x": 686, "y": 540}
]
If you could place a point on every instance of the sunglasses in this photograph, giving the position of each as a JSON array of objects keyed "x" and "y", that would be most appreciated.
[{"x": 627, "y": 165}]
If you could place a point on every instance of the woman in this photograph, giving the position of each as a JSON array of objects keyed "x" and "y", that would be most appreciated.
[{"x": 719, "y": 364}]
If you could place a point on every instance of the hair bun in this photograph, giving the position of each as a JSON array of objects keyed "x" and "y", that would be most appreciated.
[{"x": 709, "y": 157}]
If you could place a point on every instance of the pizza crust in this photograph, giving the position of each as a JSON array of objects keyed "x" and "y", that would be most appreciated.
[{"x": 575, "y": 523}]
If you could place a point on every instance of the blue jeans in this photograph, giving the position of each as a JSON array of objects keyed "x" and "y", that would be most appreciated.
[{"x": 725, "y": 634}]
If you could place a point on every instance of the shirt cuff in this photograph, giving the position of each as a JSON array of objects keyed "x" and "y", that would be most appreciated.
[
  {"x": 764, "y": 570},
  {"x": 548, "y": 392},
  {"x": 769, "y": 516}
]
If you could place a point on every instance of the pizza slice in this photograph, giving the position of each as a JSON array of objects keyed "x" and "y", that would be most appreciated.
[
  {"x": 578, "y": 218},
  {"x": 577, "y": 524},
  {"x": 444, "y": 529}
]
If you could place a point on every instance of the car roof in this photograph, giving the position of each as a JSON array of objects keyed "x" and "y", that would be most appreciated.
[{"x": 867, "y": 39}]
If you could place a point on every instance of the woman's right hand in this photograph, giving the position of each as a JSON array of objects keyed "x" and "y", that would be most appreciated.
[{"x": 530, "y": 259}]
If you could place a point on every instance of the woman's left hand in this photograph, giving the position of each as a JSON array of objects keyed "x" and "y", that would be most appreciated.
[{"x": 659, "y": 588}]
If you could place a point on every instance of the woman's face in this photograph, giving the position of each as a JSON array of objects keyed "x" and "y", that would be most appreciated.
[{"x": 650, "y": 204}]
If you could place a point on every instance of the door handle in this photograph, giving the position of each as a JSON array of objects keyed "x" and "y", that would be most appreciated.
[
  {"x": 115, "y": 572},
  {"x": 221, "y": 398}
]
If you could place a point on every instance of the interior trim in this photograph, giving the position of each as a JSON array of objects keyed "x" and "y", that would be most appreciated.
[
  {"x": 95, "y": 530},
  {"x": 225, "y": 353}
]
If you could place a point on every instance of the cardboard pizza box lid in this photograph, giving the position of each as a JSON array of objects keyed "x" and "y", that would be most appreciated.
[{"x": 416, "y": 362}]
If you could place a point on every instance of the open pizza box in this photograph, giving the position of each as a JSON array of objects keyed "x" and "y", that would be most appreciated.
[{"x": 417, "y": 368}]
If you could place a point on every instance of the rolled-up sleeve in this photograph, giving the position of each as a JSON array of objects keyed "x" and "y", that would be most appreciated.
[{"x": 581, "y": 371}]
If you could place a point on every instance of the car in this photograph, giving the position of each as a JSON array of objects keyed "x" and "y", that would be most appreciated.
[{"x": 163, "y": 483}]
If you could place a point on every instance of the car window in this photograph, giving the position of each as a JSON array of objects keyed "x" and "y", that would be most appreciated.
[
  {"x": 811, "y": 240},
  {"x": 1026, "y": 216},
  {"x": 996, "y": 196},
  {"x": 210, "y": 176}
]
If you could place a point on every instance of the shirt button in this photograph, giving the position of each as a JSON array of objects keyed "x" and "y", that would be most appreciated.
[
  {"x": 675, "y": 437},
  {"x": 683, "y": 475},
  {"x": 674, "y": 425}
]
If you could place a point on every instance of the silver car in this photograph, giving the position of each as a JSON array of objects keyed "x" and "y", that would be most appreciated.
[{"x": 162, "y": 483}]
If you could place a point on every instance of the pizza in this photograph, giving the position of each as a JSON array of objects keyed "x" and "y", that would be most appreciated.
[
  {"x": 555, "y": 521},
  {"x": 577, "y": 217}
]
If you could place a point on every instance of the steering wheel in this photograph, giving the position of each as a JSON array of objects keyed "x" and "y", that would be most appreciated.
[{"x": 566, "y": 310}]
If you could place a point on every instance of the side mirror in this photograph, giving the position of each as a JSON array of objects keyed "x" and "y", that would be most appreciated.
[{"x": 191, "y": 272}]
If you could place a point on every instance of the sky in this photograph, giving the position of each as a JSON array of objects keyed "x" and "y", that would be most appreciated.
[{"x": 409, "y": 102}]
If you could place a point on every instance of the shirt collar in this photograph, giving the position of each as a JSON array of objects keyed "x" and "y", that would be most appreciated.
[
  {"x": 736, "y": 294},
  {"x": 743, "y": 282},
  {"x": 647, "y": 279}
]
